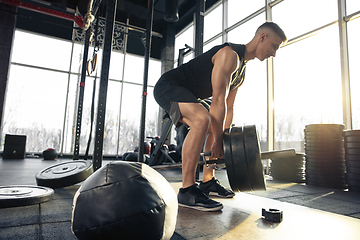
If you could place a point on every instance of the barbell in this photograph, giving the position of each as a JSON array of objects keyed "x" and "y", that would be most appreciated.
[{"x": 242, "y": 158}]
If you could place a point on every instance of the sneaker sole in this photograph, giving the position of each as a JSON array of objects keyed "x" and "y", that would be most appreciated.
[
  {"x": 203, "y": 209},
  {"x": 222, "y": 196}
]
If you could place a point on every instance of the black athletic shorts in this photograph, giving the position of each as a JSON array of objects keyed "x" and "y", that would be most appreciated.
[{"x": 169, "y": 91}]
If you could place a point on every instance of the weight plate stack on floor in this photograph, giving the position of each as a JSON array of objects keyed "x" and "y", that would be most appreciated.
[
  {"x": 16, "y": 196},
  {"x": 352, "y": 159},
  {"x": 65, "y": 174},
  {"x": 291, "y": 169},
  {"x": 325, "y": 155}
]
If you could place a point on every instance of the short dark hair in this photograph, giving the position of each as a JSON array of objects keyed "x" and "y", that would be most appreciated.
[{"x": 275, "y": 28}]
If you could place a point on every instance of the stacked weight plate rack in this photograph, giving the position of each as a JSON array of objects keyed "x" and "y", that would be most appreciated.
[
  {"x": 325, "y": 156},
  {"x": 352, "y": 159},
  {"x": 291, "y": 169}
]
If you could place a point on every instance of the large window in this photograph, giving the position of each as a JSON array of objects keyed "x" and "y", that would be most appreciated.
[
  {"x": 307, "y": 87},
  {"x": 42, "y": 96}
]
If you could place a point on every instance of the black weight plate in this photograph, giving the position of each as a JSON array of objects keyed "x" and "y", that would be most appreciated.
[
  {"x": 353, "y": 176},
  {"x": 242, "y": 174},
  {"x": 323, "y": 138},
  {"x": 320, "y": 137},
  {"x": 329, "y": 158},
  {"x": 325, "y": 179},
  {"x": 351, "y": 164},
  {"x": 285, "y": 169},
  {"x": 329, "y": 161},
  {"x": 324, "y": 146},
  {"x": 352, "y": 133},
  {"x": 352, "y": 139},
  {"x": 313, "y": 167},
  {"x": 65, "y": 174},
  {"x": 324, "y": 152},
  {"x": 253, "y": 157},
  {"x": 326, "y": 185},
  {"x": 351, "y": 157},
  {"x": 353, "y": 183},
  {"x": 286, "y": 175},
  {"x": 23, "y": 195},
  {"x": 294, "y": 178},
  {"x": 319, "y": 164},
  {"x": 355, "y": 145},
  {"x": 325, "y": 126},
  {"x": 328, "y": 177},
  {"x": 230, "y": 169},
  {"x": 354, "y": 189},
  {"x": 324, "y": 166},
  {"x": 352, "y": 151},
  {"x": 287, "y": 166},
  {"x": 292, "y": 174},
  {"x": 353, "y": 170}
]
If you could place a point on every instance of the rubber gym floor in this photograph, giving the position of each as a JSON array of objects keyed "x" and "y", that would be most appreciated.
[{"x": 309, "y": 212}]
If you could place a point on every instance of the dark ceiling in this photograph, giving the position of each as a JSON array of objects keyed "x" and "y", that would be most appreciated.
[{"x": 134, "y": 10}]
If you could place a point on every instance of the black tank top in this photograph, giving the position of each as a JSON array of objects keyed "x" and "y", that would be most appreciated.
[{"x": 196, "y": 74}]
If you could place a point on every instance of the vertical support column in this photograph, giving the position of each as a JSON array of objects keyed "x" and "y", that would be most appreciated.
[
  {"x": 270, "y": 95},
  {"x": 345, "y": 73},
  {"x": 167, "y": 63},
  {"x": 199, "y": 41},
  {"x": 7, "y": 29},
  {"x": 81, "y": 95},
  {"x": 104, "y": 78},
  {"x": 149, "y": 22},
  {"x": 199, "y": 27}
]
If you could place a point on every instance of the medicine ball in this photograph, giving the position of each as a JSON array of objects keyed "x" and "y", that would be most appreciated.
[
  {"x": 124, "y": 200},
  {"x": 49, "y": 154}
]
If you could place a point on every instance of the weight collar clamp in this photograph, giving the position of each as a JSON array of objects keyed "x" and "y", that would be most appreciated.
[{"x": 272, "y": 215}]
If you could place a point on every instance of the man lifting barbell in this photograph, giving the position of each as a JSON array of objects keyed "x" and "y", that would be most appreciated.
[{"x": 216, "y": 73}]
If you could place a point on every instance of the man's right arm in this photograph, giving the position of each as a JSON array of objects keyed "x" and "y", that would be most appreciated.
[{"x": 225, "y": 63}]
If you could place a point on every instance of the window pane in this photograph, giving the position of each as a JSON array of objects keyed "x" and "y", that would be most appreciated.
[
  {"x": 251, "y": 101},
  {"x": 152, "y": 115},
  {"x": 37, "y": 50},
  {"x": 130, "y": 117},
  {"x": 354, "y": 62},
  {"x": 116, "y": 65},
  {"x": 112, "y": 117},
  {"x": 154, "y": 72},
  {"x": 35, "y": 104},
  {"x": 245, "y": 32},
  {"x": 71, "y": 111},
  {"x": 213, "y": 23},
  {"x": 297, "y": 18},
  {"x": 352, "y": 6},
  {"x": 186, "y": 37},
  {"x": 77, "y": 58},
  {"x": 134, "y": 69},
  {"x": 307, "y": 87},
  {"x": 239, "y": 9}
]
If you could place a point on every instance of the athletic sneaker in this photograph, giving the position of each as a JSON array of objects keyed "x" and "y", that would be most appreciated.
[
  {"x": 214, "y": 188},
  {"x": 193, "y": 197}
]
